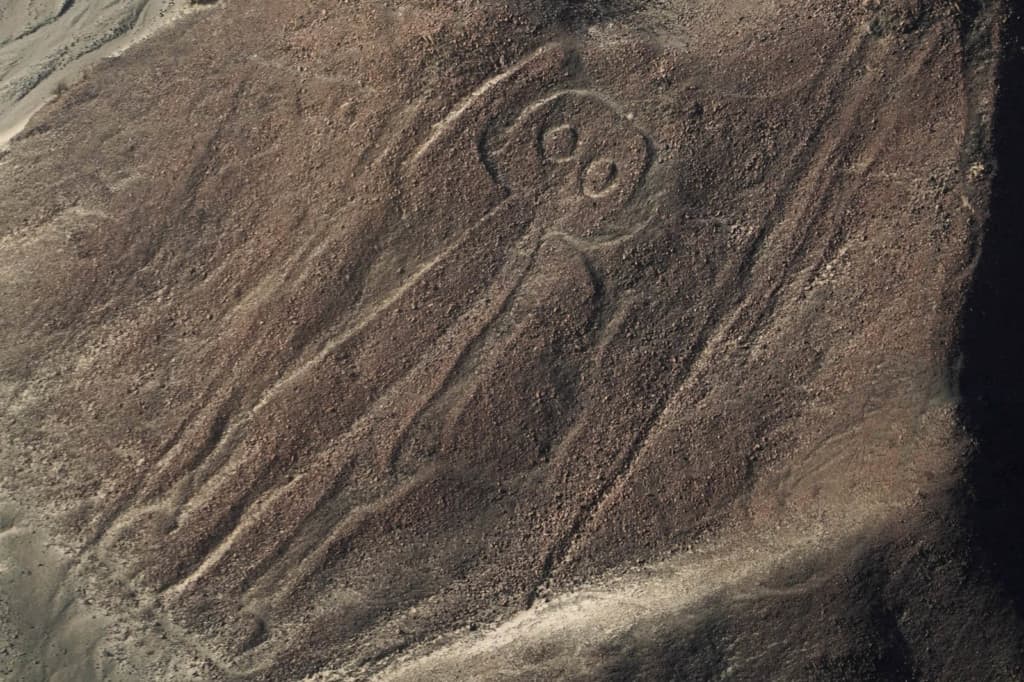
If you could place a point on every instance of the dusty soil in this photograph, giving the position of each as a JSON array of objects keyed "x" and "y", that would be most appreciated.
[
  {"x": 46, "y": 45},
  {"x": 548, "y": 340}
]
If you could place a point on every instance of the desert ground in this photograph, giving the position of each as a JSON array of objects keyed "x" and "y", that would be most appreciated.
[
  {"x": 537, "y": 340},
  {"x": 47, "y": 45}
]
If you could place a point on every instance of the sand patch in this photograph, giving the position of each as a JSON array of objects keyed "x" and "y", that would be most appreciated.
[
  {"x": 53, "y": 625},
  {"x": 46, "y": 45}
]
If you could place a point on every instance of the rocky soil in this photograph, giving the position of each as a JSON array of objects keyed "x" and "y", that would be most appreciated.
[{"x": 432, "y": 340}]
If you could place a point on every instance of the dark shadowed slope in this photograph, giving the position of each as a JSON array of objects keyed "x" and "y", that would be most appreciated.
[{"x": 992, "y": 378}]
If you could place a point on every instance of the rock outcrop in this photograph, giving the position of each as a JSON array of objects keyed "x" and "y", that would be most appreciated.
[{"x": 573, "y": 340}]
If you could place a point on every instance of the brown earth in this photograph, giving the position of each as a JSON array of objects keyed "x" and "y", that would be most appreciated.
[{"x": 536, "y": 340}]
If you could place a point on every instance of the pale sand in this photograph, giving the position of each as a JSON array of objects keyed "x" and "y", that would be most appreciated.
[
  {"x": 55, "y": 626},
  {"x": 46, "y": 44}
]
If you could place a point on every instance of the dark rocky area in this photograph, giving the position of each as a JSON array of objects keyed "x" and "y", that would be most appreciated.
[{"x": 533, "y": 340}]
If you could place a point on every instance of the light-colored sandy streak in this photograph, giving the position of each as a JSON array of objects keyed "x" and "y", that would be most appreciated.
[
  {"x": 572, "y": 628},
  {"x": 46, "y": 44},
  {"x": 52, "y": 626}
]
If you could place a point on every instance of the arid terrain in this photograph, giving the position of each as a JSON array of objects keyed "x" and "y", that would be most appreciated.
[{"x": 536, "y": 340}]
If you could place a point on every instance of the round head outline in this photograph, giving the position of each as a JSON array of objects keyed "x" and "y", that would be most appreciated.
[{"x": 576, "y": 148}]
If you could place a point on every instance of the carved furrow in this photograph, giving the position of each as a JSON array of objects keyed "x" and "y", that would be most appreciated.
[{"x": 376, "y": 431}]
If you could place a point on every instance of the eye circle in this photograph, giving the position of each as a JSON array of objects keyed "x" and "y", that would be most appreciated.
[
  {"x": 599, "y": 177},
  {"x": 559, "y": 143}
]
